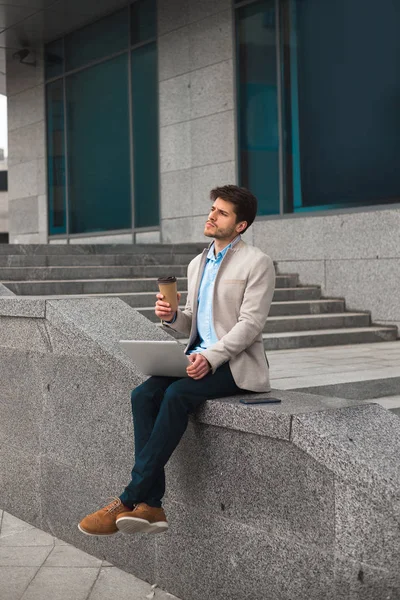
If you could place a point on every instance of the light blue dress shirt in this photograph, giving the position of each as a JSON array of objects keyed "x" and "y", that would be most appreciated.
[{"x": 205, "y": 324}]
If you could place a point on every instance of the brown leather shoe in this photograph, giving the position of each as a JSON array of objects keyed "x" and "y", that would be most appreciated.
[
  {"x": 102, "y": 522},
  {"x": 142, "y": 519}
]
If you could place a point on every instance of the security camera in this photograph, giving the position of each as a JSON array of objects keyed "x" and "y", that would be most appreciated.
[{"x": 21, "y": 55}]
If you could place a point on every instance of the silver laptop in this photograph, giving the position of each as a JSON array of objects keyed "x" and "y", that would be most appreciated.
[{"x": 157, "y": 358}]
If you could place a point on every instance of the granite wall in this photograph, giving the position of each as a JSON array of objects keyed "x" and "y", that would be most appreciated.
[
  {"x": 351, "y": 255},
  {"x": 197, "y": 121},
  {"x": 293, "y": 501},
  {"x": 27, "y": 177}
]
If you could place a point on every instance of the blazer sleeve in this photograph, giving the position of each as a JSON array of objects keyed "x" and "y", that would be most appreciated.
[
  {"x": 252, "y": 317},
  {"x": 183, "y": 321}
]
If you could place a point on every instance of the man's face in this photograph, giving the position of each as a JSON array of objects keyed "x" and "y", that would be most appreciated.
[{"x": 221, "y": 223}]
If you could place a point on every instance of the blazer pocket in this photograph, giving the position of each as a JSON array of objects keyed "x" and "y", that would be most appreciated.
[{"x": 235, "y": 281}]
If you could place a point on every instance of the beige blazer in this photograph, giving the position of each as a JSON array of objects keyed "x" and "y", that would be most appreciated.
[{"x": 243, "y": 292}]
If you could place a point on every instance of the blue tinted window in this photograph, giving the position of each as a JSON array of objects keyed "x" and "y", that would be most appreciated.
[
  {"x": 258, "y": 104},
  {"x": 54, "y": 59},
  {"x": 97, "y": 40},
  {"x": 98, "y": 147},
  {"x": 145, "y": 135},
  {"x": 143, "y": 21},
  {"x": 343, "y": 93},
  {"x": 56, "y": 157}
]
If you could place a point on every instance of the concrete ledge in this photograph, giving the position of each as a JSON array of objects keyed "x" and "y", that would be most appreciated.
[
  {"x": 16, "y": 306},
  {"x": 310, "y": 487},
  {"x": 5, "y": 291}
]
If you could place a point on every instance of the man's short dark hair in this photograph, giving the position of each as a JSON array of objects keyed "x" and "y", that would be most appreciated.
[{"x": 244, "y": 202}]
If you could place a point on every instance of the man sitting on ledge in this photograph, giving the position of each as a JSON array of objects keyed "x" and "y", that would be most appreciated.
[{"x": 230, "y": 289}]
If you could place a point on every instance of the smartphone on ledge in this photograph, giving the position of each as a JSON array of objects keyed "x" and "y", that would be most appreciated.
[{"x": 260, "y": 400}]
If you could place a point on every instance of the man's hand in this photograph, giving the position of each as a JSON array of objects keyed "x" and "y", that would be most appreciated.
[
  {"x": 199, "y": 367},
  {"x": 163, "y": 309}
]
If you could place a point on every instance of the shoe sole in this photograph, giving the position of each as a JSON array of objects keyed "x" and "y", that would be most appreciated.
[
  {"x": 95, "y": 534},
  {"x": 135, "y": 525}
]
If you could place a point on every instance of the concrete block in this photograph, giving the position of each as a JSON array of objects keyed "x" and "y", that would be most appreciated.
[
  {"x": 211, "y": 40},
  {"x": 291, "y": 239},
  {"x": 201, "y": 10},
  {"x": 175, "y": 231},
  {"x": 211, "y": 89},
  {"x": 352, "y": 279},
  {"x": 4, "y": 291},
  {"x": 124, "y": 238},
  {"x": 25, "y": 238},
  {"x": 212, "y": 139},
  {"x": 344, "y": 436},
  {"x": 16, "y": 465},
  {"x": 356, "y": 580},
  {"x": 21, "y": 401},
  {"x": 365, "y": 531},
  {"x": 174, "y": 97},
  {"x": 369, "y": 234},
  {"x": 266, "y": 420},
  {"x": 72, "y": 584},
  {"x": 41, "y": 177},
  {"x": 22, "y": 307},
  {"x": 286, "y": 490},
  {"x": 43, "y": 215},
  {"x": 176, "y": 194},
  {"x": 231, "y": 560},
  {"x": 118, "y": 321},
  {"x": 26, "y": 108},
  {"x": 175, "y": 147},
  {"x": 23, "y": 181},
  {"x": 173, "y": 54},
  {"x": 204, "y": 179},
  {"x": 172, "y": 14},
  {"x": 24, "y": 212},
  {"x": 148, "y": 237},
  {"x": 27, "y": 143},
  {"x": 311, "y": 272}
]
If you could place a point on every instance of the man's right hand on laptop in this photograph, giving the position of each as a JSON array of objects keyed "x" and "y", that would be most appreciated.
[{"x": 163, "y": 309}]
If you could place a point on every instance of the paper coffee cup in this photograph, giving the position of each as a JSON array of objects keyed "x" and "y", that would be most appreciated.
[{"x": 168, "y": 288}]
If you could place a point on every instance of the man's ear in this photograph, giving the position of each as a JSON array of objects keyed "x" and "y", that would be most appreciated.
[{"x": 241, "y": 226}]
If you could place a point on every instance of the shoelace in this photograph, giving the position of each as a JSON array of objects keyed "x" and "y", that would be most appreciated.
[{"x": 116, "y": 504}]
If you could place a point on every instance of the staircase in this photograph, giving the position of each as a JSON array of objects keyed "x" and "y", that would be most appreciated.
[{"x": 299, "y": 316}]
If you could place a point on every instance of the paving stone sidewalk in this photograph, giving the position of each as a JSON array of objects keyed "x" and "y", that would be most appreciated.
[
  {"x": 37, "y": 566},
  {"x": 329, "y": 365}
]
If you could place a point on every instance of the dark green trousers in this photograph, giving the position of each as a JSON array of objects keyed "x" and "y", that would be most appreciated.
[{"x": 161, "y": 407}]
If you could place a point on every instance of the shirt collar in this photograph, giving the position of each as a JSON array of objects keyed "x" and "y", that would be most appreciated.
[{"x": 222, "y": 253}]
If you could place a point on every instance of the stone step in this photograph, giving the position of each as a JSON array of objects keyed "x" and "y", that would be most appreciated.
[
  {"x": 297, "y": 307},
  {"x": 52, "y": 249},
  {"x": 85, "y": 273},
  {"x": 296, "y": 323},
  {"x": 126, "y": 289},
  {"x": 92, "y": 260},
  {"x": 329, "y": 337},
  {"x": 317, "y": 322}
]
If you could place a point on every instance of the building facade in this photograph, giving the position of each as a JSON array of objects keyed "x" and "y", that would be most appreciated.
[{"x": 125, "y": 114}]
